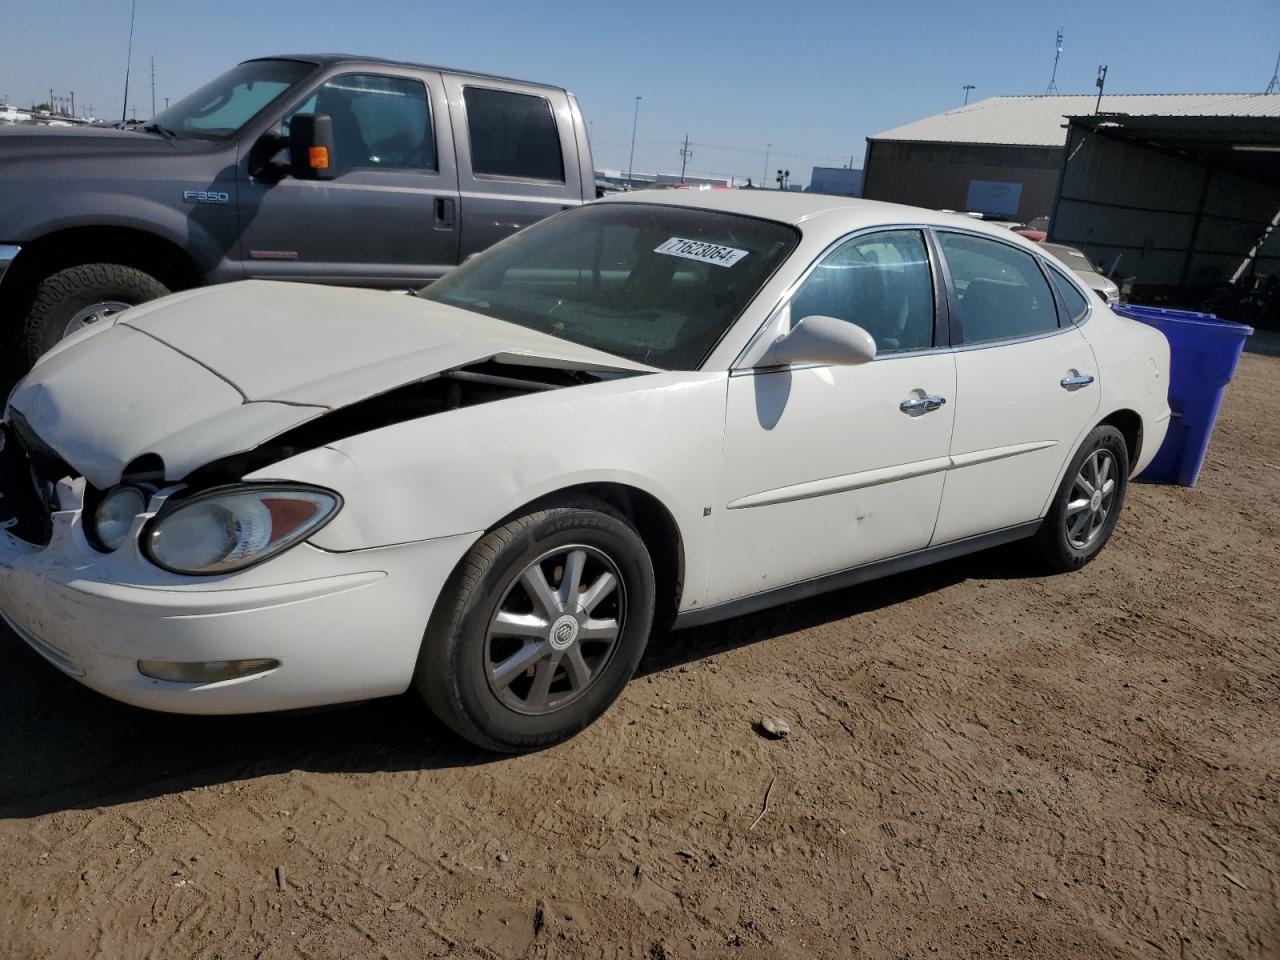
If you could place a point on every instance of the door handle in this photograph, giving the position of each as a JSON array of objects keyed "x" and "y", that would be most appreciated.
[
  {"x": 1076, "y": 380},
  {"x": 925, "y": 404},
  {"x": 444, "y": 213}
]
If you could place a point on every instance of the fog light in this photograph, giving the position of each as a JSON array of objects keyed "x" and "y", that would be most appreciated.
[{"x": 204, "y": 671}]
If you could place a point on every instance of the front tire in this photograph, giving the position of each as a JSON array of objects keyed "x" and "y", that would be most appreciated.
[
  {"x": 72, "y": 299},
  {"x": 539, "y": 628},
  {"x": 1088, "y": 502}
]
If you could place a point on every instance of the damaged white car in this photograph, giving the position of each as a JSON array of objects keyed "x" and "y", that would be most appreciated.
[{"x": 660, "y": 408}]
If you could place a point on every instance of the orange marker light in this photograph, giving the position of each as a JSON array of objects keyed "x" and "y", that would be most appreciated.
[{"x": 318, "y": 157}]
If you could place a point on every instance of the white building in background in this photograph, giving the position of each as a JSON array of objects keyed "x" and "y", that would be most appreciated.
[{"x": 9, "y": 114}]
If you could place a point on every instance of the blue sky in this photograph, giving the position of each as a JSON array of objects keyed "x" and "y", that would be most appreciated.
[{"x": 813, "y": 79}]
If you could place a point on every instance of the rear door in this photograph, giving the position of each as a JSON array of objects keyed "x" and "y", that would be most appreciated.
[
  {"x": 517, "y": 156},
  {"x": 1026, "y": 387},
  {"x": 390, "y": 216}
]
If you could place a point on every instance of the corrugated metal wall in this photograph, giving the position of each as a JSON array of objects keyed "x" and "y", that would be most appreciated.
[
  {"x": 1170, "y": 219},
  {"x": 937, "y": 175}
]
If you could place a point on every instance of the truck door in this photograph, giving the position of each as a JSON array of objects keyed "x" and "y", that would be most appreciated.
[
  {"x": 390, "y": 215},
  {"x": 517, "y": 156}
]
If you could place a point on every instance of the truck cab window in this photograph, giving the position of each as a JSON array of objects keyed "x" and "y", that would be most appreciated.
[
  {"x": 513, "y": 135},
  {"x": 379, "y": 122}
]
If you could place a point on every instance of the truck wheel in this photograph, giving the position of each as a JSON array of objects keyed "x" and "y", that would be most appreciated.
[{"x": 72, "y": 299}]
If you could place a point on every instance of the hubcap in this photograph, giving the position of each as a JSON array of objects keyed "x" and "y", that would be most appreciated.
[
  {"x": 555, "y": 630},
  {"x": 1093, "y": 494},
  {"x": 92, "y": 314}
]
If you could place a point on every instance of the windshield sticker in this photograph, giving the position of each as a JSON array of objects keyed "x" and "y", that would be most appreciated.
[{"x": 699, "y": 250}]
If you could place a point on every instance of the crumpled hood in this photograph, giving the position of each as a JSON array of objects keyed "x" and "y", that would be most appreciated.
[{"x": 207, "y": 373}]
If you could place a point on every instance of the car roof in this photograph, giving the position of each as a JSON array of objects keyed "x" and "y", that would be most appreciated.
[
  {"x": 798, "y": 209},
  {"x": 330, "y": 59}
]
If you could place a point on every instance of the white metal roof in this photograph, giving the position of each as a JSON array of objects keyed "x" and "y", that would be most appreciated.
[{"x": 1040, "y": 121}]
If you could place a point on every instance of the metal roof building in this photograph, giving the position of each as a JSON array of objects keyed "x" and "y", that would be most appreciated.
[
  {"x": 1181, "y": 191},
  {"x": 1038, "y": 121}
]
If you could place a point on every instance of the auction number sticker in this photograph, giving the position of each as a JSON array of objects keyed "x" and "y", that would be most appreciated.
[{"x": 701, "y": 251}]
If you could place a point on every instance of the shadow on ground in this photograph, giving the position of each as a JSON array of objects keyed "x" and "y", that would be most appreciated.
[{"x": 63, "y": 746}]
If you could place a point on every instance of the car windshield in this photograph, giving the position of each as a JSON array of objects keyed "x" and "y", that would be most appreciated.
[
  {"x": 656, "y": 284},
  {"x": 222, "y": 106}
]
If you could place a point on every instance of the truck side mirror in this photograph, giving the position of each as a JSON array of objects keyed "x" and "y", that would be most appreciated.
[{"x": 311, "y": 146}]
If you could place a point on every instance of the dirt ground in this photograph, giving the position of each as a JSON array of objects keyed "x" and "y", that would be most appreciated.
[{"x": 983, "y": 762}]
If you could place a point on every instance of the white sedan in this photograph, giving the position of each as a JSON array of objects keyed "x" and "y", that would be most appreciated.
[{"x": 655, "y": 409}]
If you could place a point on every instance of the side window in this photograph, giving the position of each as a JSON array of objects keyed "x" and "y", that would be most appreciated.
[
  {"x": 881, "y": 282},
  {"x": 1002, "y": 292},
  {"x": 378, "y": 122},
  {"x": 1077, "y": 303},
  {"x": 512, "y": 135}
]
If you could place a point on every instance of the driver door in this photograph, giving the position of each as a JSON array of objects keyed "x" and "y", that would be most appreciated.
[
  {"x": 824, "y": 467},
  {"x": 390, "y": 215}
]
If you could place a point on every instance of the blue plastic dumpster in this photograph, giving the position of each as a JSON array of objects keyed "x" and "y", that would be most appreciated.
[{"x": 1204, "y": 352}]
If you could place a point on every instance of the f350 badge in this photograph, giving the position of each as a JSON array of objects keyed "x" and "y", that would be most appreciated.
[{"x": 205, "y": 196}]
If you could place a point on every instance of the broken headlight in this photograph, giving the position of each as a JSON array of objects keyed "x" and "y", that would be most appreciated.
[
  {"x": 230, "y": 528},
  {"x": 114, "y": 516}
]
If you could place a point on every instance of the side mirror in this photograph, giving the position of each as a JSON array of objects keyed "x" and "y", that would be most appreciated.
[
  {"x": 819, "y": 339},
  {"x": 311, "y": 146}
]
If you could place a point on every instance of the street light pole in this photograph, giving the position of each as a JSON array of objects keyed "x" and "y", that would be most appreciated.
[
  {"x": 635, "y": 120},
  {"x": 968, "y": 88}
]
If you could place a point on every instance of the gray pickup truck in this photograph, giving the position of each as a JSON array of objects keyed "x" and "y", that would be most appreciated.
[{"x": 326, "y": 168}]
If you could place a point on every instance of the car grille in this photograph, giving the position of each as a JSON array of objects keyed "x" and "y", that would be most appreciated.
[{"x": 29, "y": 471}]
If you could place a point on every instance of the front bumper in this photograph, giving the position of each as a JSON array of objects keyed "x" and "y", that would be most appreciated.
[{"x": 344, "y": 626}]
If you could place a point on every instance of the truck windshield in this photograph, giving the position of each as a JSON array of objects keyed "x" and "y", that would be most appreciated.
[
  {"x": 656, "y": 284},
  {"x": 222, "y": 106}
]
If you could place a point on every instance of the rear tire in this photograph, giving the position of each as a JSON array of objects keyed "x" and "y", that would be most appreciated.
[
  {"x": 68, "y": 298},
  {"x": 511, "y": 666},
  {"x": 1088, "y": 502}
]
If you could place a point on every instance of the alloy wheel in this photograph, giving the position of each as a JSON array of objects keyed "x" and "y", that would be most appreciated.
[
  {"x": 555, "y": 630},
  {"x": 1093, "y": 494}
]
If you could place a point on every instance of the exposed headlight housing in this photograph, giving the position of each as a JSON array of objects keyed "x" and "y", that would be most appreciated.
[
  {"x": 230, "y": 528},
  {"x": 115, "y": 514}
]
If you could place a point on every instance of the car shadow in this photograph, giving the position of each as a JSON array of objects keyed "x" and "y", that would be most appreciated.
[{"x": 64, "y": 747}]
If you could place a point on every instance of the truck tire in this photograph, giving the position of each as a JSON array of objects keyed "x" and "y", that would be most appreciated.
[{"x": 65, "y": 301}]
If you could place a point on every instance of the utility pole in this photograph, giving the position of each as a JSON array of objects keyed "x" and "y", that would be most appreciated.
[
  {"x": 73, "y": 103},
  {"x": 153, "y": 86},
  {"x": 1053, "y": 78},
  {"x": 635, "y": 120},
  {"x": 968, "y": 88},
  {"x": 685, "y": 154},
  {"x": 135, "y": 113},
  {"x": 166, "y": 105},
  {"x": 128, "y": 60},
  {"x": 764, "y": 177},
  {"x": 1100, "y": 83}
]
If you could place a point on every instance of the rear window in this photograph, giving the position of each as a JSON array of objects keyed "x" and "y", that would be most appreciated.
[
  {"x": 512, "y": 135},
  {"x": 658, "y": 285},
  {"x": 1076, "y": 302}
]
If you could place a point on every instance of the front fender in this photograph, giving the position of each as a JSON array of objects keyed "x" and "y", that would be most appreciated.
[{"x": 464, "y": 470}]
